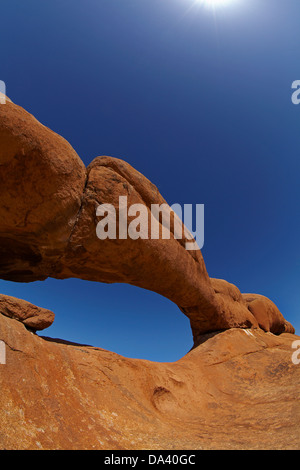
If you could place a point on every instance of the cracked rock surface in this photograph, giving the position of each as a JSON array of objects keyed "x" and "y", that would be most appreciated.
[{"x": 35, "y": 318}]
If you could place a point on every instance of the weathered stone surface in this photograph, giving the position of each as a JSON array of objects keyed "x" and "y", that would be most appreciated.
[
  {"x": 163, "y": 266},
  {"x": 42, "y": 180},
  {"x": 268, "y": 316},
  {"x": 33, "y": 317},
  {"x": 232, "y": 311},
  {"x": 48, "y": 227},
  {"x": 237, "y": 390}
]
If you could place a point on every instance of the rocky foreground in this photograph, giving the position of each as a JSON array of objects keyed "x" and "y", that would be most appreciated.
[{"x": 239, "y": 389}]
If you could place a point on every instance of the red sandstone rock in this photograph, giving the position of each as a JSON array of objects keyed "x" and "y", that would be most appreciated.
[
  {"x": 42, "y": 180},
  {"x": 239, "y": 389},
  {"x": 48, "y": 228},
  {"x": 267, "y": 314},
  {"x": 34, "y": 317},
  {"x": 232, "y": 310}
]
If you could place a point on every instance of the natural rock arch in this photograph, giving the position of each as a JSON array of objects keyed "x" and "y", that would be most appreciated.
[{"x": 48, "y": 229}]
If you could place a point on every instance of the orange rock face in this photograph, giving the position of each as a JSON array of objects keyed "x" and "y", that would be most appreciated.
[
  {"x": 42, "y": 180},
  {"x": 239, "y": 389},
  {"x": 35, "y": 318},
  {"x": 48, "y": 228},
  {"x": 268, "y": 316}
]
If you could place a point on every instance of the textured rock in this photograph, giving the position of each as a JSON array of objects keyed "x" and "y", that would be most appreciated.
[
  {"x": 268, "y": 316},
  {"x": 237, "y": 390},
  {"x": 232, "y": 311},
  {"x": 33, "y": 317},
  {"x": 42, "y": 180},
  {"x": 48, "y": 228},
  {"x": 163, "y": 266}
]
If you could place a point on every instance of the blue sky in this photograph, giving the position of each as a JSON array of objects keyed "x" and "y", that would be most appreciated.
[{"x": 198, "y": 100}]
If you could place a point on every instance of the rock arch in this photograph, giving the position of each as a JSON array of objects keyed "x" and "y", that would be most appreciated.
[{"x": 48, "y": 229}]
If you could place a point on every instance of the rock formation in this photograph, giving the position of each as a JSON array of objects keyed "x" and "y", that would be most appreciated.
[
  {"x": 267, "y": 314},
  {"x": 236, "y": 389},
  {"x": 239, "y": 389},
  {"x": 42, "y": 180},
  {"x": 33, "y": 317},
  {"x": 48, "y": 229}
]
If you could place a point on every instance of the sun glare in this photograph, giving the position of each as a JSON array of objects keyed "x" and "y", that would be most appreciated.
[{"x": 215, "y": 3}]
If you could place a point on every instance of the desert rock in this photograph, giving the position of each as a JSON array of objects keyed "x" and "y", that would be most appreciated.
[
  {"x": 42, "y": 180},
  {"x": 33, "y": 317},
  {"x": 48, "y": 229},
  {"x": 267, "y": 314},
  {"x": 239, "y": 389}
]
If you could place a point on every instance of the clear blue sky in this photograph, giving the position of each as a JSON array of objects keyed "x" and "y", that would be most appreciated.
[{"x": 197, "y": 100}]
